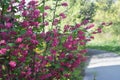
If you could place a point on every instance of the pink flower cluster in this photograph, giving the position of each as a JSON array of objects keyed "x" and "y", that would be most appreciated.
[{"x": 30, "y": 53}]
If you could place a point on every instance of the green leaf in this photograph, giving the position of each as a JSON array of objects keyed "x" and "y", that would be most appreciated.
[
  {"x": 11, "y": 44},
  {"x": 41, "y": 8},
  {"x": 23, "y": 31},
  {"x": 57, "y": 65}
]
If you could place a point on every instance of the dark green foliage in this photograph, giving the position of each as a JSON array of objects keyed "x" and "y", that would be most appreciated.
[{"x": 87, "y": 12}]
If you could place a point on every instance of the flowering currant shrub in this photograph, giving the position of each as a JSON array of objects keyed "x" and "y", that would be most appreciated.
[{"x": 30, "y": 51}]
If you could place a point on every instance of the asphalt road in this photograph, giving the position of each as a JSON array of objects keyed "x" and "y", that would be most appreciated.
[{"x": 102, "y": 65}]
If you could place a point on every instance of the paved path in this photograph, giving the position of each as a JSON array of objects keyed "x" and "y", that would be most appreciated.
[{"x": 102, "y": 65}]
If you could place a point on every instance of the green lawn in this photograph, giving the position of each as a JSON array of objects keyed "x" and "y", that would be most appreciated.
[{"x": 113, "y": 46}]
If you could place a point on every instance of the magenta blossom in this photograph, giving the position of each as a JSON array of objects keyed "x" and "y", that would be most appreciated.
[
  {"x": 66, "y": 28},
  {"x": 50, "y": 58},
  {"x": 46, "y": 23},
  {"x": 35, "y": 42},
  {"x": 64, "y": 4},
  {"x": 92, "y": 37},
  {"x": 25, "y": 13},
  {"x": 83, "y": 51},
  {"x": 103, "y": 23},
  {"x": 1, "y": 25},
  {"x": 3, "y": 51},
  {"x": 12, "y": 64},
  {"x": 33, "y": 2},
  {"x": 99, "y": 30},
  {"x": 47, "y": 7},
  {"x": 22, "y": 59},
  {"x": 21, "y": 4},
  {"x": 55, "y": 42},
  {"x": 62, "y": 15},
  {"x": 36, "y": 13},
  {"x": 55, "y": 22},
  {"x": 77, "y": 25},
  {"x": 67, "y": 75},
  {"x": 2, "y": 42},
  {"x": 45, "y": 14},
  {"x": 46, "y": 76},
  {"x": 19, "y": 40},
  {"x": 36, "y": 24},
  {"x": 29, "y": 32},
  {"x": 82, "y": 43},
  {"x": 8, "y": 25},
  {"x": 90, "y": 26},
  {"x": 25, "y": 23},
  {"x": 53, "y": 51}
]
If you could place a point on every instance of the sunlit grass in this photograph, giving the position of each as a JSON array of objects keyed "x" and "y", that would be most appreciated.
[{"x": 111, "y": 44}]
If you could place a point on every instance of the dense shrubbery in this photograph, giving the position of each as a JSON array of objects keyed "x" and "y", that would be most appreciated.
[{"x": 30, "y": 51}]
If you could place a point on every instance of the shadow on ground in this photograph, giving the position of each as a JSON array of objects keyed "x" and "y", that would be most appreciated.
[
  {"x": 100, "y": 53},
  {"x": 115, "y": 49}
]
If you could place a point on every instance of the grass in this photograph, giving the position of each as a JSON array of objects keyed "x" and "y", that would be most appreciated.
[{"x": 112, "y": 46}]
